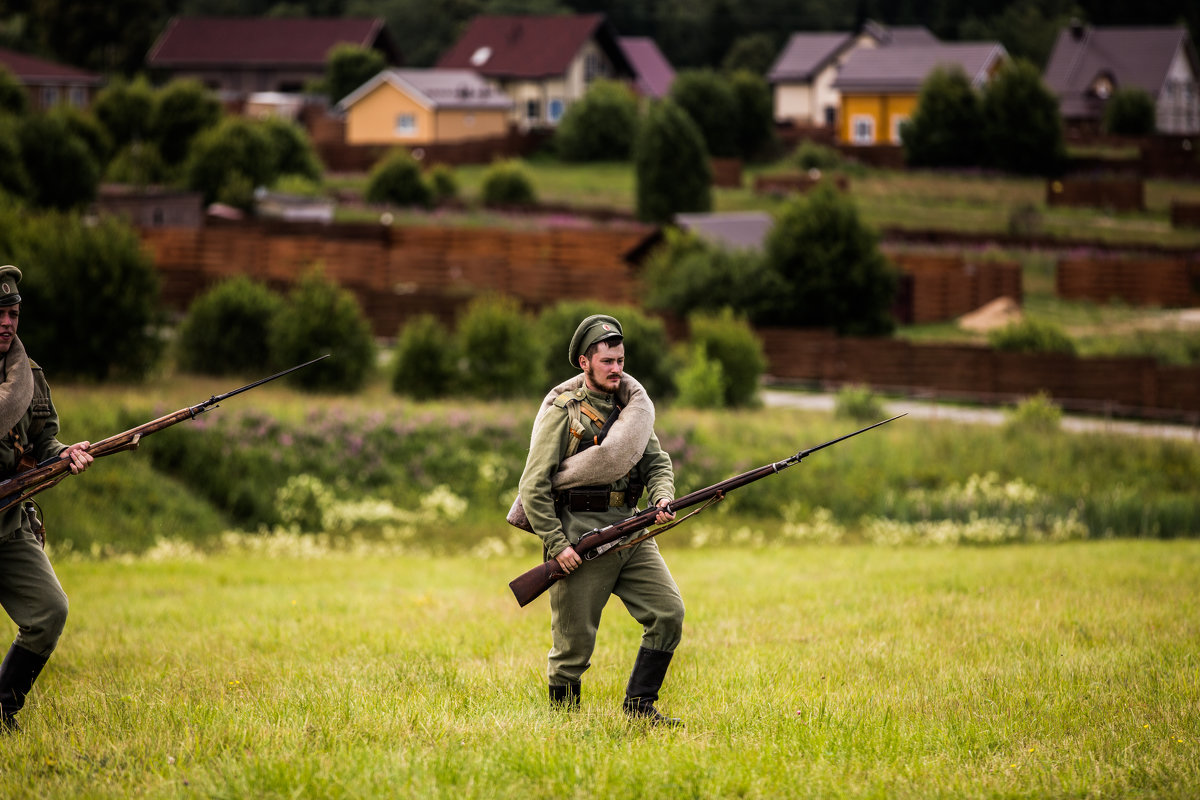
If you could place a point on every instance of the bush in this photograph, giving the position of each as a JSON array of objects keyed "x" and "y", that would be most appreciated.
[
  {"x": 349, "y": 66},
  {"x": 708, "y": 99},
  {"x": 671, "y": 165},
  {"x": 90, "y": 295},
  {"x": 858, "y": 403},
  {"x": 702, "y": 382},
  {"x": 1031, "y": 336},
  {"x": 505, "y": 183},
  {"x": 647, "y": 350},
  {"x": 945, "y": 130},
  {"x": 1036, "y": 415},
  {"x": 138, "y": 164},
  {"x": 493, "y": 339},
  {"x": 755, "y": 131},
  {"x": 599, "y": 127},
  {"x": 182, "y": 109},
  {"x": 1130, "y": 112},
  {"x": 424, "y": 365},
  {"x": 320, "y": 317},
  {"x": 13, "y": 178},
  {"x": 810, "y": 154},
  {"x": 397, "y": 180},
  {"x": 292, "y": 150},
  {"x": 88, "y": 130},
  {"x": 1022, "y": 125},
  {"x": 14, "y": 99},
  {"x": 227, "y": 328},
  {"x": 126, "y": 110},
  {"x": 830, "y": 267},
  {"x": 443, "y": 183},
  {"x": 232, "y": 155},
  {"x": 730, "y": 341},
  {"x": 63, "y": 174}
]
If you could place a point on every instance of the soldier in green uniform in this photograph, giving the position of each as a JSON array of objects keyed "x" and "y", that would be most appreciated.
[
  {"x": 637, "y": 575},
  {"x": 29, "y": 589}
]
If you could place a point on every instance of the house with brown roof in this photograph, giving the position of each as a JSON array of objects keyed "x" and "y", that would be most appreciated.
[
  {"x": 239, "y": 56},
  {"x": 50, "y": 84},
  {"x": 879, "y": 87},
  {"x": 544, "y": 63},
  {"x": 424, "y": 107},
  {"x": 802, "y": 77},
  {"x": 1088, "y": 64}
]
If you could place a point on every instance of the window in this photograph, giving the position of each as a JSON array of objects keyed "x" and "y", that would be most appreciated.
[
  {"x": 406, "y": 125},
  {"x": 862, "y": 129},
  {"x": 556, "y": 109},
  {"x": 533, "y": 110},
  {"x": 593, "y": 67},
  {"x": 49, "y": 96},
  {"x": 78, "y": 97}
]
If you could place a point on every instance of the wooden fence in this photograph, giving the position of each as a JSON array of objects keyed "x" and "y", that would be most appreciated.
[
  {"x": 399, "y": 271},
  {"x": 1121, "y": 386},
  {"x": 1116, "y": 192},
  {"x": 936, "y": 287},
  {"x": 1167, "y": 281}
]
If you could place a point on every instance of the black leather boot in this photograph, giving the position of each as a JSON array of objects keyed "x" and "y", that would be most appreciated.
[
  {"x": 18, "y": 671},
  {"x": 566, "y": 697},
  {"x": 649, "y": 670}
]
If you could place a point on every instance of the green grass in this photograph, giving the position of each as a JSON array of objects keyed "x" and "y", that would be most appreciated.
[{"x": 1037, "y": 671}]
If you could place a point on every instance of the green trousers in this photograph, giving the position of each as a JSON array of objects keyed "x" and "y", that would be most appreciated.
[
  {"x": 638, "y": 576},
  {"x": 30, "y": 592}
]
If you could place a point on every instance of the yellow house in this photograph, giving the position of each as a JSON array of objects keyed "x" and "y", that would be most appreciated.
[
  {"x": 424, "y": 107},
  {"x": 879, "y": 86}
]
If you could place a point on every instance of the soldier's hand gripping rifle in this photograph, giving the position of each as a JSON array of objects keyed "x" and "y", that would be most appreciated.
[
  {"x": 39, "y": 477},
  {"x": 598, "y": 541}
]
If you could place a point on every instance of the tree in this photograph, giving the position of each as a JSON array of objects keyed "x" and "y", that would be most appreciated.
[
  {"x": 227, "y": 328},
  {"x": 13, "y": 97},
  {"x": 1022, "y": 126},
  {"x": 125, "y": 108},
  {"x": 945, "y": 130},
  {"x": 831, "y": 267},
  {"x": 62, "y": 171},
  {"x": 1130, "y": 112},
  {"x": 671, "y": 165},
  {"x": 236, "y": 150},
  {"x": 13, "y": 178},
  {"x": 182, "y": 109},
  {"x": 601, "y": 126},
  {"x": 707, "y": 97},
  {"x": 292, "y": 150},
  {"x": 753, "y": 52},
  {"x": 755, "y": 130},
  {"x": 397, "y": 180},
  {"x": 348, "y": 67}
]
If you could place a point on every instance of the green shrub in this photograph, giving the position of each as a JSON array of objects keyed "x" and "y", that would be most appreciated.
[
  {"x": 671, "y": 165},
  {"x": 702, "y": 382},
  {"x": 1022, "y": 124},
  {"x": 754, "y": 133},
  {"x": 182, "y": 109},
  {"x": 811, "y": 154},
  {"x": 493, "y": 338},
  {"x": 87, "y": 129},
  {"x": 730, "y": 341},
  {"x": 236, "y": 153},
  {"x": 858, "y": 403},
  {"x": 1036, "y": 415},
  {"x": 945, "y": 130},
  {"x": 443, "y": 183},
  {"x": 320, "y": 317},
  {"x": 599, "y": 127},
  {"x": 13, "y": 178},
  {"x": 14, "y": 98},
  {"x": 397, "y": 180},
  {"x": 138, "y": 164},
  {"x": 90, "y": 295},
  {"x": 126, "y": 110},
  {"x": 227, "y": 328},
  {"x": 1031, "y": 336},
  {"x": 424, "y": 365},
  {"x": 63, "y": 173},
  {"x": 349, "y": 66},
  {"x": 708, "y": 98},
  {"x": 506, "y": 183},
  {"x": 291, "y": 150},
  {"x": 1130, "y": 112}
]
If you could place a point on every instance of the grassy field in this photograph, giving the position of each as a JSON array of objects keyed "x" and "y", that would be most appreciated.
[{"x": 1030, "y": 671}]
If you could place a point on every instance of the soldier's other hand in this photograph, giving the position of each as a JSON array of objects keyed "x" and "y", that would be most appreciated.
[
  {"x": 665, "y": 516},
  {"x": 568, "y": 560},
  {"x": 80, "y": 458}
]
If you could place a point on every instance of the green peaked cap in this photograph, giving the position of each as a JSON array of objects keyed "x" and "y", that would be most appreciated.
[
  {"x": 10, "y": 276},
  {"x": 595, "y": 328}
]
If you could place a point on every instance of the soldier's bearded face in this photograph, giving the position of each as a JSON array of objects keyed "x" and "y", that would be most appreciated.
[{"x": 602, "y": 372}]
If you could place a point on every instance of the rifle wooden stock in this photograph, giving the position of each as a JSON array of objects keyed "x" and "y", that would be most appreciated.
[
  {"x": 528, "y": 586},
  {"x": 26, "y": 484}
]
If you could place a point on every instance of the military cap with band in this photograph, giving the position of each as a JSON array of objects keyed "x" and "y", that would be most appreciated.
[
  {"x": 10, "y": 276},
  {"x": 595, "y": 328}
]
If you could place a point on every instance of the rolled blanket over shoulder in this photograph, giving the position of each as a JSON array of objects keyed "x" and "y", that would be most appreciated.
[{"x": 16, "y": 390}]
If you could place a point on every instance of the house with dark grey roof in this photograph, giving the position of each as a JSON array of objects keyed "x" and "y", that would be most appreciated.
[
  {"x": 1088, "y": 64},
  {"x": 424, "y": 107},
  {"x": 802, "y": 76},
  {"x": 879, "y": 87},
  {"x": 237, "y": 57},
  {"x": 654, "y": 74},
  {"x": 50, "y": 84},
  {"x": 544, "y": 63}
]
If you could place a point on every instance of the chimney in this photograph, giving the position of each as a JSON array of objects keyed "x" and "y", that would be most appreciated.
[{"x": 1076, "y": 28}]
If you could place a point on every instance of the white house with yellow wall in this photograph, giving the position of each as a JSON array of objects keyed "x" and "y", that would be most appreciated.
[
  {"x": 424, "y": 107},
  {"x": 879, "y": 86}
]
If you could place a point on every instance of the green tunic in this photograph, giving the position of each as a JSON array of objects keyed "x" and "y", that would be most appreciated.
[{"x": 638, "y": 576}]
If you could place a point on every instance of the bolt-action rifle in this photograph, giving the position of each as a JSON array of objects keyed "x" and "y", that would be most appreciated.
[
  {"x": 598, "y": 541},
  {"x": 40, "y": 477}
]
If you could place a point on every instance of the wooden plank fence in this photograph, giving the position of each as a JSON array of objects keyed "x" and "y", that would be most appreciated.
[
  {"x": 946, "y": 286},
  {"x": 1167, "y": 281}
]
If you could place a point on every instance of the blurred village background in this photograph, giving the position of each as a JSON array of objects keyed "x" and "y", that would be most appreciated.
[{"x": 980, "y": 202}]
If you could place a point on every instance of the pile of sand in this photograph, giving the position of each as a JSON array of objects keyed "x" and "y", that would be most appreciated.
[{"x": 995, "y": 314}]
